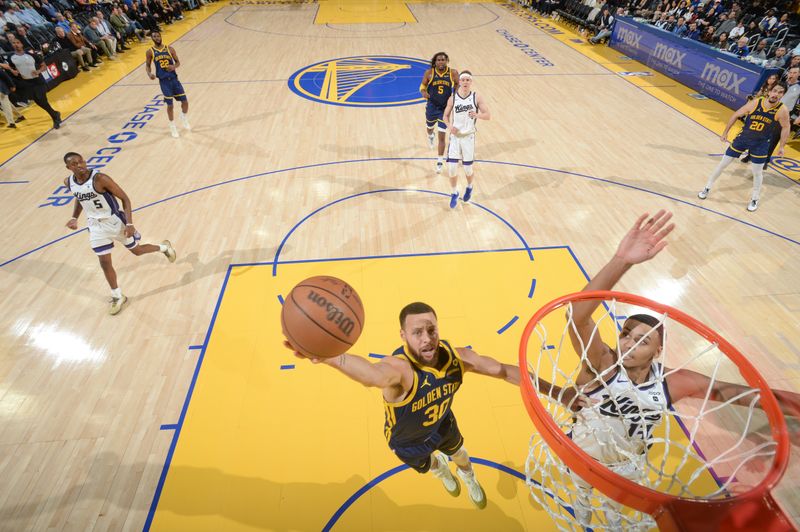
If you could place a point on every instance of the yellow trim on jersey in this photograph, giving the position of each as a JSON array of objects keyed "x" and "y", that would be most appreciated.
[
  {"x": 438, "y": 373},
  {"x": 411, "y": 393},
  {"x": 433, "y": 73}
]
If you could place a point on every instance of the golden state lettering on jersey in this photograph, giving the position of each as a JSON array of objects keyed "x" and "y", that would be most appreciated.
[
  {"x": 162, "y": 58},
  {"x": 434, "y": 395},
  {"x": 417, "y": 416},
  {"x": 760, "y": 120},
  {"x": 440, "y": 87}
]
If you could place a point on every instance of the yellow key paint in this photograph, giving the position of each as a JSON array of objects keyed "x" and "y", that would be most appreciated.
[
  {"x": 363, "y": 12},
  {"x": 272, "y": 449}
]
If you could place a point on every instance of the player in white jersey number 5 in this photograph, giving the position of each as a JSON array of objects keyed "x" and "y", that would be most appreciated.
[
  {"x": 97, "y": 194},
  {"x": 464, "y": 108}
]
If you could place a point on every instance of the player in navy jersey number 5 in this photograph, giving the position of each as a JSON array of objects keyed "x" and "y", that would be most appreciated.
[
  {"x": 97, "y": 194},
  {"x": 438, "y": 83},
  {"x": 166, "y": 62},
  {"x": 419, "y": 382}
]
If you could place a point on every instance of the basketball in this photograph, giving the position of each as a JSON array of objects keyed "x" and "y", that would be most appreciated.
[{"x": 322, "y": 317}]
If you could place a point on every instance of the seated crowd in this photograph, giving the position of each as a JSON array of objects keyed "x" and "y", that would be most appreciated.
[
  {"x": 89, "y": 30},
  {"x": 753, "y": 31}
]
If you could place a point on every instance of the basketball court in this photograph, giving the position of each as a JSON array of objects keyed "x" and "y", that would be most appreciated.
[{"x": 185, "y": 412}]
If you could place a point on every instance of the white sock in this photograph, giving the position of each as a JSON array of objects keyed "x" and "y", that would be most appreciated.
[
  {"x": 440, "y": 159},
  {"x": 162, "y": 248},
  {"x": 171, "y": 124},
  {"x": 726, "y": 160},
  {"x": 116, "y": 293},
  {"x": 469, "y": 186},
  {"x": 455, "y": 191},
  {"x": 758, "y": 178}
]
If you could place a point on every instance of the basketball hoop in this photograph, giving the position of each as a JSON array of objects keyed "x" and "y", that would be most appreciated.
[{"x": 664, "y": 478}]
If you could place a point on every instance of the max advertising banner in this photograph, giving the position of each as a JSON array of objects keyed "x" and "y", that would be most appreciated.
[{"x": 720, "y": 76}]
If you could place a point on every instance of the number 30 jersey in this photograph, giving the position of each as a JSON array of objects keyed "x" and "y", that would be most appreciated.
[
  {"x": 95, "y": 204},
  {"x": 413, "y": 420}
]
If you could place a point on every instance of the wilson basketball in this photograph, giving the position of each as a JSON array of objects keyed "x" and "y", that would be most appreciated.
[{"x": 322, "y": 317}]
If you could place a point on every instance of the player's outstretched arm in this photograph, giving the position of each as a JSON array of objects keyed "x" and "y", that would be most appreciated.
[
  {"x": 687, "y": 383},
  {"x": 389, "y": 372},
  {"x": 643, "y": 241},
  {"x": 486, "y": 365}
]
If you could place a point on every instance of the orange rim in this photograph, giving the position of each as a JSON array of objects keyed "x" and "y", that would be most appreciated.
[{"x": 619, "y": 488}]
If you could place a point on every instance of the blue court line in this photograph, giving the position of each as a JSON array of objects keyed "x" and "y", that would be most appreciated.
[
  {"x": 507, "y": 325},
  {"x": 390, "y": 473},
  {"x": 380, "y": 36},
  {"x": 677, "y": 418},
  {"x": 275, "y": 260},
  {"x": 169, "y": 427},
  {"x": 195, "y": 347},
  {"x": 287, "y": 366},
  {"x": 376, "y": 355},
  {"x": 206, "y": 82},
  {"x": 195, "y": 375},
  {"x": 520, "y": 75},
  {"x": 533, "y": 289},
  {"x": 37, "y": 139},
  {"x": 358, "y": 161},
  {"x": 14, "y": 182},
  {"x": 394, "y": 256},
  {"x": 280, "y": 299},
  {"x": 157, "y": 495},
  {"x": 630, "y": 82}
]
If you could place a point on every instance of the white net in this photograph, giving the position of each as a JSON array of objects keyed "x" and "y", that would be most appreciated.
[{"x": 713, "y": 445}]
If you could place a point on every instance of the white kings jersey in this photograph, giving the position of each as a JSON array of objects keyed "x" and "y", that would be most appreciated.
[
  {"x": 96, "y": 205},
  {"x": 461, "y": 109},
  {"x": 618, "y": 428}
]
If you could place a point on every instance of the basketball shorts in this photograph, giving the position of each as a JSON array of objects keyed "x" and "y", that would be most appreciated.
[
  {"x": 103, "y": 232},
  {"x": 758, "y": 148},
  {"x": 172, "y": 88},
  {"x": 434, "y": 116},
  {"x": 461, "y": 148},
  {"x": 447, "y": 439}
]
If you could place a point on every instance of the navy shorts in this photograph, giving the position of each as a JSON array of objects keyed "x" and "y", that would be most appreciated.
[
  {"x": 172, "y": 88},
  {"x": 758, "y": 148},
  {"x": 434, "y": 115},
  {"x": 447, "y": 439}
]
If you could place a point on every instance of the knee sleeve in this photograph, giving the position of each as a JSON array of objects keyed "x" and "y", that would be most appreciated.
[
  {"x": 452, "y": 169},
  {"x": 468, "y": 170}
]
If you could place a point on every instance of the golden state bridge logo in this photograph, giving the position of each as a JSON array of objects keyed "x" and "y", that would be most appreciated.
[{"x": 363, "y": 81}]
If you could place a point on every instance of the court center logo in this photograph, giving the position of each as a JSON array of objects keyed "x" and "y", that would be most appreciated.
[{"x": 362, "y": 81}]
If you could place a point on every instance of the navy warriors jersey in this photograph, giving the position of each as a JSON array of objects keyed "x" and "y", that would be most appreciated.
[
  {"x": 95, "y": 204},
  {"x": 761, "y": 123},
  {"x": 162, "y": 58},
  {"x": 440, "y": 87},
  {"x": 414, "y": 419}
]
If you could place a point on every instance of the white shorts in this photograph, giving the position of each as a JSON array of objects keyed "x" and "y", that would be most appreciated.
[
  {"x": 461, "y": 148},
  {"x": 103, "y": 232}
]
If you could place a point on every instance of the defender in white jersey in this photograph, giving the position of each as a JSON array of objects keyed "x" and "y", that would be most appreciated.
[
  {"x": 96, "y": 193},
  {"x": 464, "y": 108},
  {"x": 616, "y": 412}
]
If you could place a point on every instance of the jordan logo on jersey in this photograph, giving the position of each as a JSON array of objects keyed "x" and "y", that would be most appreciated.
[{"x": 426, "y": 382}]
